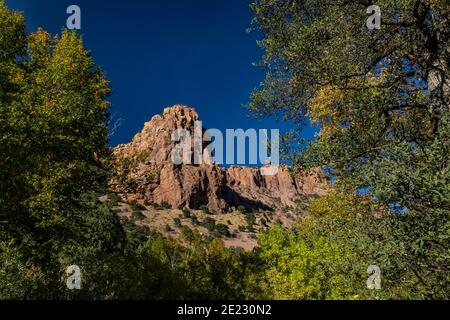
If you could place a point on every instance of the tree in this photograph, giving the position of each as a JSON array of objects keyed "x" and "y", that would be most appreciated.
[
  {"x": 376, "y": 94},
  {"x": 327, "y": 254},
  {"x": 362, "y": 228},
  {"x": 381, "y": 100},
  {"x": 53, "y": 133}
]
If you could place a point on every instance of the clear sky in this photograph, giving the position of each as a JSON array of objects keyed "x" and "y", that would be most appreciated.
[{"x": 157, "y": 53}]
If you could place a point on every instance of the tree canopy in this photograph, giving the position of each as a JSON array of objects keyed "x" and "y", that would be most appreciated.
[
  {"x": 54, "y": 142},
  {"x": 381, "y": 100}
]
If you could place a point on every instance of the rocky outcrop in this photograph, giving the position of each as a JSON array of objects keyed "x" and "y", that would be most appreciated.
[{"x": 146, "y": 171}]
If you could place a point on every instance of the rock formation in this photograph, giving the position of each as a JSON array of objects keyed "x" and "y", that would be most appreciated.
[{"x": 146, "y": 172}]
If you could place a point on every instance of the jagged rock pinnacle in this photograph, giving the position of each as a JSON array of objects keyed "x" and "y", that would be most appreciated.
[{"x": 145, "y": 170}]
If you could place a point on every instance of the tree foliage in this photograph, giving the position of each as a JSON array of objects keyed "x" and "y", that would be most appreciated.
[
  {"x": 53, "y": 132},
  {"x": 381, "y": 100}
]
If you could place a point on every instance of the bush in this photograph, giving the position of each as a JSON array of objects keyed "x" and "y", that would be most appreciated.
[
  {"x": 136, "y": 206},
  {"x": 137, "y": 215},
  {"x": 166, "y": 205},
  {"x": 187, "y": 233},
  {"x": 223, "y": 230},
  {"x": 242, "y": 228},
  {"x": 263, "y": 222},
  {"x": 177, "y": 222},
  {"x": 204, "y": 208},
  {"x": 242, "y": 209},
  {"x": 167, "y": 228},
  {"x": 114, "y": 200},
  {"x": 163, "y": 206},
  {"x": 186, "y": 213},
  {"x": 194, "y": 220},
  {"x": 136, "y": 235},
  {"x": 250, "y": 219},
  {"x": 209, "y": 223}
]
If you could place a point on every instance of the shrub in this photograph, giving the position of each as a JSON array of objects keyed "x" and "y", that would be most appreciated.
[
  {"x": 194, "y": 220},
  {"x": 263, "y": 222},
  {"x": 187, "y": 233},
  {"x": 136, "y": 206},
  {"x": 114, "y": 200},
  {"x": 136, "y": 235},
  {"x": 166, "y": 205},
  {"x": 222, "y": 229},
  {"x": 204, "y": 208},
  {"x": 278, "y": 221},
  {"x": 157, "y": 206},
  {"x": 177, "y": 222},
  {"x": 167, "y": 228},
  {"x": 250, "y": 219},
  {"x": 242, "y": 228},
  {"x": 209, "y": 223},
  {"x": 137, "y": 215},
  {"x": 242, "y": 209},
  {"x": 186, "y": 213}
]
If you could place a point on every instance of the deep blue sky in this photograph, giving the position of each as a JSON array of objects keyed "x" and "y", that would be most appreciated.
[{"x": 163, "y": 52}]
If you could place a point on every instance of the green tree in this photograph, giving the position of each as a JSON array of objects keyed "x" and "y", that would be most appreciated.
[
  {"x": 53, "y": 133},
  {"x": 302, "y": 265},
  {"x": 381, "y": 100},
  {"x": 327, "y": 254}
]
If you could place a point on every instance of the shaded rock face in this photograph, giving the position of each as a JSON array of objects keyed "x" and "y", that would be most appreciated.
[{"x": 146, "y": 172}]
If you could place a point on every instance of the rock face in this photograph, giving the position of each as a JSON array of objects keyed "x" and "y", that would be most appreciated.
[{"x": 146, "y": 172}]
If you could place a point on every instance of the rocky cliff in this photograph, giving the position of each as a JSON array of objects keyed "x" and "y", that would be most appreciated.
[{"x": 146, "y": 172}]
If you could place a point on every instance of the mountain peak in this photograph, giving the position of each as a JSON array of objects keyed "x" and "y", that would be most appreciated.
[
  {"x": 146, "y": 171},
  {"x": 181, "y": 112}
]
